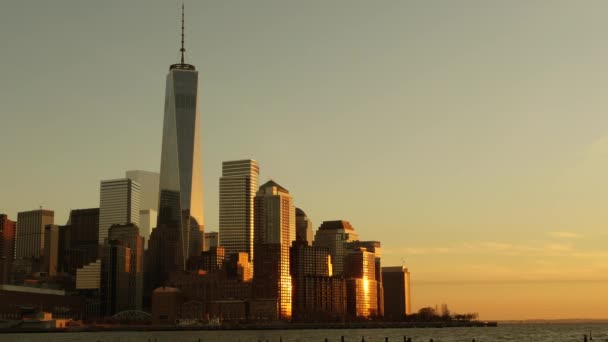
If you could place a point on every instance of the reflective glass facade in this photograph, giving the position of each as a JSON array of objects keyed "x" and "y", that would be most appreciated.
[{"x": 181, "y": 185}]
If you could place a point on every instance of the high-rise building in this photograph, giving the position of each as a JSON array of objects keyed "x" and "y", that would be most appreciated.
[
  {"x": 114, "y": 288},
  {"x": 7, "y": 247},
  {"x": 308, "y": 262},
  {"x": 212, "y": 239},
  {"x": 52, "y": 253},
  {"x": 373, "y": 247},
  {"x": 30, "y": 233},
  {"x": 181, "y": 180},
  {"x": 361, "y": 285},
  {"x": 147, "y": 222},
  {"x": 128, "y": 236},
  {"x": 397, "y": 299},
  {"x": 82, "y": 239},
  {"x": 303, "y": 227},
  {"x": 148, "y": 187},
  {"x": 334, "y": 235},
  {"x": 274, "y": 227},
  {"x": 238, "y": 186},
  {"x": 119, "y": 203}
]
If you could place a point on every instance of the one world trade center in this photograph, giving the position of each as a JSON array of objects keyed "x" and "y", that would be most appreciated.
[{"x": 181, "y": 184}]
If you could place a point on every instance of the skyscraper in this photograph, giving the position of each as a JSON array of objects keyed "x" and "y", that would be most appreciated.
[
  {"x": 30, "y": 233},
  {"x": 334, "y": 235},
  {"x": 148, "y": 187},
  {"x": 7, "y": 247},
  {"x": 373, "y": 247},
  {"x": 181, "y": 182},
  {"x": 303, "y": 227},
  {"x": 361, "y": 284},
  {"x": 238, "y": 185},
  {"x": 397, "y": 300},
  {"x": 128, "y": 236},
  {"x": 274, "y": 227},
  {"x": 119, "y": 203},
  {"x": 83, "y": 231}
]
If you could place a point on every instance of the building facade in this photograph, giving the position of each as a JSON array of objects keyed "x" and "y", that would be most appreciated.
[
  {"x": 274, "y": 227},
  {"x": 238, "y": 186},
  {"x": 212, "y": 239},
  {"x": 7, "y": 247},
  {"x": 361, "y": 285},
  {"x": 376, "y": 248},
  {"x": 128, "y": 236},
  {"x": 181, "y": 179},
  {"x": 83, "y": 236},
  {"x": 333, "y": 235},
  {"x": 29, "y": 242},
  {"x": 303, "y": 227},
  {"x": 148, "y": 186},
  {"x": 119, "y": 203},
  {"x": 397, "y": 293}
]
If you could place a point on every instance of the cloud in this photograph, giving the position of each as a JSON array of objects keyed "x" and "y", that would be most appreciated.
[{"x": 564, "y": 235}]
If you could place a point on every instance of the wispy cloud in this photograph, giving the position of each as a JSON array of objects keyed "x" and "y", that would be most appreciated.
[{"x": 564, "y": 235}]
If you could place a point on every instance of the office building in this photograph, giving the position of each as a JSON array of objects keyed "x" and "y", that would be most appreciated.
[
  {"x": 29, "y": 242},
  {"x": 376, "y": 248},
  {"x": 212, "y": 260},
  {"x": 147, "y": 222},
  {"x": 128, "y": 236},
  {"x": 238, "y": 266},
  {"x": 212, "y": 239},
  {"x": 83, "y": 235},
  {"x": 333, "y": 235},
  {"x": 361, "y": 286},
  {"x": 7, "y": 247},
  {"x": 53, "y": 241},
  {"x": 148, "y": 187},
  {"x": 119, "y": 203},
  {"x": 115, "y": 276},
  {"x": 274, "y": 227},
  {"x": 238, "y": 186},
  {"x": 181, "y": 178},
  {"x": 397, "y": 298},
  {"x": 303, "y": 227},
  {"x": 308, "y": 262}
]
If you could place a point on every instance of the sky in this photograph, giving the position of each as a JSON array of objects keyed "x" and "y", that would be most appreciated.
[{"x": 470, "y": 137}]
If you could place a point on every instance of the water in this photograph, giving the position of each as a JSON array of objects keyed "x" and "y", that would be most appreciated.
[{"x": 515, "y": 332}]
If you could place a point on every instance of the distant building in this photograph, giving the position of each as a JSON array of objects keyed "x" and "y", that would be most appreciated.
[
  {"x": 148, "y": 187},
  {"x": 119, "y": 203},
  {"x": 397, "y": 297},
  {"x": 162, "y": 258},
  {"x": 128, "y": 236},
  {"x": 54, "y": 237},
  {"x": 88, "y": 277},
  {"x": 7, "y": 247},
  {"x": 303, "y": 227},
  {"x": 166, "y": 304},
  {"x": 212, "y": 239},
  {"x": 274, "y": 230},
  {"x": 115, "y": 278},
  {"x": 333, "y": 235},
  {"x": 373, "y": 247},
  {"x": 30, "y": 233},
  {"x": 19, "y": 301},
  {"x": 361, "y": 286},
  {"x": 238, "y": 186},
  {"x": 83, "y": 238},
  {"x": 147, "y": 222},
  {"x": 238, "y": 266},
  {"x": 314, "y": 289},
  {"x": 213, "y": 259}
]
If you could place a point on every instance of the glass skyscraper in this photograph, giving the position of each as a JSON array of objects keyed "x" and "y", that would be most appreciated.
[{"x": 181, "y": 184}]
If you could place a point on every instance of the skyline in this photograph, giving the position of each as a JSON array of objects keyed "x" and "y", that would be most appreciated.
[{"x": 438, "y": 187}]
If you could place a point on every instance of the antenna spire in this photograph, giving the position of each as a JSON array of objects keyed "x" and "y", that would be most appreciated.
[{"x": 182, "y": 49}]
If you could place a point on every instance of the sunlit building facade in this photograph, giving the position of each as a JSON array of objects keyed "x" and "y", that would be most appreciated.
[
  {"x": 376, "y": 248},
  {"x": 181, "y": 179},
  {"x": 361, "y": 286},
  {"x": 128, "y": 236},
  {"x": 333, "y": 235},
  {"x": 238, "y": 187},
  {"x": 274, "y": 230}
]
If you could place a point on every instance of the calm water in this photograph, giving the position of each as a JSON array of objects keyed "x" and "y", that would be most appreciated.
[{"x": 527, "y": 332}]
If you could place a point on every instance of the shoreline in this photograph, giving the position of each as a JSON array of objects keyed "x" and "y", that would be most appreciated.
[{"x": 238, "y": 327}]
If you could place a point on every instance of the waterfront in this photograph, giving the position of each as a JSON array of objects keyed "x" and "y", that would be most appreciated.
[{"x": 507, "y": 332}]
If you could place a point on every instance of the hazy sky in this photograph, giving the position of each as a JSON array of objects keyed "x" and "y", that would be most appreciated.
[{"x": 469, "y": 137}]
